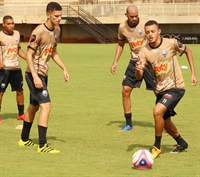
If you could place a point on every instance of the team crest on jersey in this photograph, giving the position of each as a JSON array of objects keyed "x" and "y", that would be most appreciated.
[
  {"x": 140, "y": 32},
  {"x": 33, "y": 38},
  {"x": 180, "y": 45},
  {"x": 45, "y": 93},
  {"x": 56, "y": 36},
  {"x": 16, "y": 39},
  {"x": 164, "y": 53}
]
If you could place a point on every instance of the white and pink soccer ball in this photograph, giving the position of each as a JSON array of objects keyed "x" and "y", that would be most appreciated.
[{"x": 142, "y": 159}]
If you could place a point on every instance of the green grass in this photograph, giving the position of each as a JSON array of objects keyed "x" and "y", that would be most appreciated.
[{"x": 86, "y": 116}]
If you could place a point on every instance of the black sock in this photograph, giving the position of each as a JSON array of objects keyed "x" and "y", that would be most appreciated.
[
  {"x": 128, "y": 118},
  {"x": 157, "y": 141},
  {"x": 180, "y": 140},
  {"x": 26, "y": 130},
  {"x": 20, "y": 109},
  {"x": 42, "y": 131}
]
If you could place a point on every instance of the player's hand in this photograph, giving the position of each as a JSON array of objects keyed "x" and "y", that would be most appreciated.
[
  {"x": 194, "y": 80},
  {"x": 66, "y": 76},
  {"x": 37, "y": 82},
  {"x": 113, "y": 69},
  {"x": 138, "y": 65},
  {"x": 2, "y": 65}
]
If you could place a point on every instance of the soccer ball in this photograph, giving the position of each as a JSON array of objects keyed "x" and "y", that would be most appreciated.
[{"x": 142, "y": 159}]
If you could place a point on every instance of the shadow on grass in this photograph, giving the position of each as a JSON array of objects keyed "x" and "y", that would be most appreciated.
[
  {"x": 165, "y": 148},
  {"x": 135, "y": 123},
  {"x": 9, "y": 116},
  {"x": 35, "y": 140}
]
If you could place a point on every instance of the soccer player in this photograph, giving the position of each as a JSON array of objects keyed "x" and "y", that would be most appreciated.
[
  {"x": 42, "y": 47},
  {"x": 131, "y": 31},
  {"x": 160, "y": 53},
  {"x": 10, "y": 70}
]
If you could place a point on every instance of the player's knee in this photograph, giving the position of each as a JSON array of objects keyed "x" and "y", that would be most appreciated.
[
  {"x": 157, "y": 113},
  {"x": 46, "y": 106},
  {"x": 126, "y": 91},
  {"x": 20, "y": 93}
]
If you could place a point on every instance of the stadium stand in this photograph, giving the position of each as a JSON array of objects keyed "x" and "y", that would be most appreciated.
[{"x": 182, "y": 16}]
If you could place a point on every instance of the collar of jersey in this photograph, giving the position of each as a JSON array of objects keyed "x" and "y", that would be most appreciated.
[
  {"x": 135, "y": 25},
  {"x": 158, "y": 44},
  {"x": 48, "y": 28}
]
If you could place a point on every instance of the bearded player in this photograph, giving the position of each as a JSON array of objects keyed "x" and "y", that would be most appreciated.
[{"x": 131, "y": 31}]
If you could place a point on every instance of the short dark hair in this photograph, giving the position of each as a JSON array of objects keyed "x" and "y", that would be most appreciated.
[
  {"x": 6, "y": 17},
  {"x": 52, "y": 6},
  {"x": 151, "y": 22}
]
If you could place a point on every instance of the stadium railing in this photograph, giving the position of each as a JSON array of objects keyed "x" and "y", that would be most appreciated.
[{"x": 110, "y": 12}]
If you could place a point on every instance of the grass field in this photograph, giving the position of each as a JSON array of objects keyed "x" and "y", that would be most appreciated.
[{"x": 86, "y": 116}]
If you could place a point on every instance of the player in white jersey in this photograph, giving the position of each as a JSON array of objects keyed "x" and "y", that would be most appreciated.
[
  {"x": 161, "y": 53},
  {"x": 10, "y": 70},
  {"x": 131, "y": 31},
  {"x": 41, "y": 48}
]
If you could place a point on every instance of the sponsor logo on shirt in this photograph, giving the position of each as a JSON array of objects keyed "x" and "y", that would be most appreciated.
[
  {"x": 137, "y": 43},
  {"x": 168, "y": 82},
  {"x": 11, "y": 50},
  {"x": 162, "y": 67},
  {"x": 47, "y": 52}
]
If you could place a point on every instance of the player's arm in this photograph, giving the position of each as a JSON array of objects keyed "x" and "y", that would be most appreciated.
[
  {"x": 29, "y": 58},
  {"x": 21, "y": 53},
  {"x": 2, "y": 65},
  {"x": 58, "y": 61},
  {"x": 119, "y": 50},
  {"x": 190, "y": 59}
]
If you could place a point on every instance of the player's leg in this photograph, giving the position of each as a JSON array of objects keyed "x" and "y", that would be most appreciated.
[
  {"x": 16, "y": 82},
  {"x": 158, "y": 112},
  {"x": 27, "y": 124},
  {"x": 1, "y": 96},
  {"x": 166, "y": 103},
  {"x": 43, "y": 99},
  {"x": 20, "y": 104},
  {"x": 173, "y": 132},
  {"x": 126, "y": 101},
  {"x": 4, "y": 81},
  {"x": 30, "y": 113},
  {"x": 129, "y": 82},
  {"x": 42, "y": 129}
]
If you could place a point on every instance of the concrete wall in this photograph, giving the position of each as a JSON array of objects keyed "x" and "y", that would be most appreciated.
[{"x": 70, "y": 33}]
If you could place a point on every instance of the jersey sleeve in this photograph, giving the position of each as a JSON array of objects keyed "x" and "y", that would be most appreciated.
[
  {"x": 34, "y": 39},
  {"x": 57, "y": 34},
  {"x": 179, "y": 47}
]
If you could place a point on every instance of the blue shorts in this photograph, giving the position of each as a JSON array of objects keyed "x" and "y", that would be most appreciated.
[{"x": 37, "y": 96}]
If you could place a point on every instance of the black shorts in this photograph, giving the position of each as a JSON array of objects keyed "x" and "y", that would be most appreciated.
[
  {"x": 12, "y": 77},
  {"x": 37, "y": 96},
  {"x": 131, "y": 81},
  {"x": 170, "y": 99}
]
